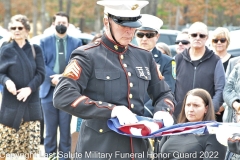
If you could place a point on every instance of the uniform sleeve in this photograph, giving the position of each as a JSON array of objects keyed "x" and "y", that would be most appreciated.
[
  {"x": 219, "y": 82},
  {"x": 169, "y": 74},
  {"x": 40, "y": 70},
  {"x": 68, "y": 93},
  {"x": 159, "y": 91},
  {"x": 213, "y": 149}
]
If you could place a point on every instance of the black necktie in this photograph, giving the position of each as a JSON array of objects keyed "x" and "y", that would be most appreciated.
[{"x": 61, "y": 56}]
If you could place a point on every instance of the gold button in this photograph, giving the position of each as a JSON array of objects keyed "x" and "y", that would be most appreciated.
[
  {"x": 168, "y": 109},
  {"x": 146, "y": 77},
  {"x": 130, "y": 95},
  {"x": 129, "y": 74},
  {"x": 116, "y": 47},
  {"x": 100, "y": 130},
  {"x": 124, "y": 65},
  {"x": 109, "y": 105},
  {"x": 131, "y": 84},
  {"x": 108, "y": 77},
  {"x": 122, "y": 56},
  {"x": 100, "y": 102},
  {"x": 132, "y": 105}
]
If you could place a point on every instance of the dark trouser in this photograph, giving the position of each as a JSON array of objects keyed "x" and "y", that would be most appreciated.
[
  {"x": 42, "y": 129},
  {"x": 55, "y": 118}
]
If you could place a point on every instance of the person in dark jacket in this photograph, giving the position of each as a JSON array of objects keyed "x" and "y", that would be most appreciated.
[
  {"x": 108, "y": 79},
  {"x": 147, "y": 36},
  {"x": 21, "y": 73},
  {"x": 199, "y": 67},
  {"x": 57, "y": 48}
]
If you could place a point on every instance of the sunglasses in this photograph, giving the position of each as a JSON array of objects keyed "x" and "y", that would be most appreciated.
[
  {"x": 222, "y": 40},
  {"x": 148, "y": 35},
  {"x": 184, "y": 42},
  {"x": 14, "y": 28},
  {"x": 194, "y": 35}
]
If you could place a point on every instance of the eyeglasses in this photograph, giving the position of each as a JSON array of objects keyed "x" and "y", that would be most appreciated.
[
  {"x": 184, "y": 42},
  {"x": 148, "y": 35},
  {"x": 194, "y": 35},
  {"x": 222, "y": 40},
  {"x": 14, "y": 28}
]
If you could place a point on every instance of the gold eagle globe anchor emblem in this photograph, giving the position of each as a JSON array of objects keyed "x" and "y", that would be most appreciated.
[{"x": 135, "y": 6}]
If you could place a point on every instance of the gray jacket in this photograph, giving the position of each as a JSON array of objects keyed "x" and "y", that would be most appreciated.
[{"x": 231, "y": 91}]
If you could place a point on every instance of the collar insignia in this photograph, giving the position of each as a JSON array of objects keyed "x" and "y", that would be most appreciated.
[{"x": 116, "y": 47}]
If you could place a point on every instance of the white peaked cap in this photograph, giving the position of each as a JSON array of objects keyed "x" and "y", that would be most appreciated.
[
  {"x": 150, "y": 22},
  {"x": 124, "y": 8}
]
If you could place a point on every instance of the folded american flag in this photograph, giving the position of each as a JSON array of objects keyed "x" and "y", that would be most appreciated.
[{"x": 146, "y": 128}]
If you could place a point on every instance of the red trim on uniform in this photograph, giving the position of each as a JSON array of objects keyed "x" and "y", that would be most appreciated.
[
  {"x": 138, "y": 47},
  {"x": 113, "y": 50},
  {"x": 89, "y": 101},
  {"x": 78, "y": 100},
  {"x": 127, "y": 81},
  {"x": 88, "y": 46},
  {"x": 114, "y": 41},
  {"x": 131, "y": 143}
]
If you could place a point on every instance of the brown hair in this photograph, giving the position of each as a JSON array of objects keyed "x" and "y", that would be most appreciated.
[
  {"x": 62, "y": 14},
  {"x": 207, "y": 99},
  {"x": 20, "y": 18}
]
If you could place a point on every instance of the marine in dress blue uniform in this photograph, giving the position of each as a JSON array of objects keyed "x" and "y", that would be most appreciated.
[{"x": 107, "y": 79}]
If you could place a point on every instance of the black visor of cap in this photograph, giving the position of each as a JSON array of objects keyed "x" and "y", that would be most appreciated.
[{"x": 132, "y": 22}]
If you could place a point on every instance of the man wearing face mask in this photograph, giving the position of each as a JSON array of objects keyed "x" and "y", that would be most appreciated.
[{"x": 56, "y": 51}]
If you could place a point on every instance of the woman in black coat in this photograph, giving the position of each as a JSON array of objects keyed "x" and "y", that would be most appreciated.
[{"x": 21, "y": 73}]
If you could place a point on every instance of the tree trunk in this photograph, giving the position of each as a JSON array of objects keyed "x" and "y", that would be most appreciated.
[
  {"x": 35, "y": 17},
  {"x": 178, "y": 16},
  {"x": 43, "y": 19},
  {"x": 60, "y": 3},
  {"x": 69, "y": 4},
  {"x": 206, "y": 12},
  {"x": 7, "y": 12},
  {"x": 81, "y": 24},
  {"x": 97, "y": 26}
]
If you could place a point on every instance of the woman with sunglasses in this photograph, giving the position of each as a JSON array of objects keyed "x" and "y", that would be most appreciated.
[
  {"x": 199, "y": 67},
  {"x": 220, "y": 43},
  {"x": 21, "y": 73}
]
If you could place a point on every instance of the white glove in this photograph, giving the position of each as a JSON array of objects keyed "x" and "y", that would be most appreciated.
[
  {"x": 165, "y": 116},
  {"x": 124, "y": 115}
]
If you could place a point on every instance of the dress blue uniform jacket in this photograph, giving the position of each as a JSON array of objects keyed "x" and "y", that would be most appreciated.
[
  {"x": 110, "y": 75},
  {"x": 50, "y": 58},
  {"x": 168, "y": 70}
]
